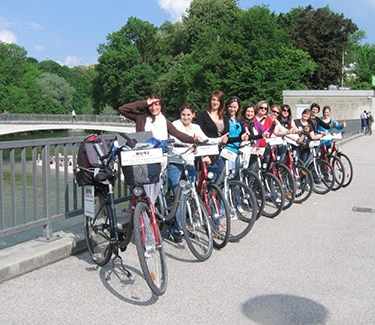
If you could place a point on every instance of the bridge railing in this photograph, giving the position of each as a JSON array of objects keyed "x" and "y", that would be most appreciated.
[
  {"x": 62, "y": 118},
  {"x": 37, "y": 185}
]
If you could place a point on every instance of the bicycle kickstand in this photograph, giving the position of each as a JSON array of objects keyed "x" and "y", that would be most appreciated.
[{"x": 117, "y": 260}]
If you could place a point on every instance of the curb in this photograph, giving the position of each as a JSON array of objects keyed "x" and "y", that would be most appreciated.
[{"x": 34, "y": 254}]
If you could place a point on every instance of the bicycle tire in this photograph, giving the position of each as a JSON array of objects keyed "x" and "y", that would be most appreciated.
[
  {"x": 252, "y": 180},
  {"x": 145, "y": 238},
  {"x": 99, "y": 228},
  {"x": 348, "y": 168},
  {"x": 339, "y": 172},
  {"x": 304, "y": 184},
  {"x": 288, "y": 183},
  {"x": 219, "y": 216},
  {"x": 322, "y": 185},
  {"x": 244, "y": 209},
  {"x": 195, "y": 225},
  {"x": 274, "y": 195}
]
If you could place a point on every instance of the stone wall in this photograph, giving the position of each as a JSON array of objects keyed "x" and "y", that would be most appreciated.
[{"x": 345, "y": 104}]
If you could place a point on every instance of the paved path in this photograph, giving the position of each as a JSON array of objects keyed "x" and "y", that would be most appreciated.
[{"x": 312, "y": 265}]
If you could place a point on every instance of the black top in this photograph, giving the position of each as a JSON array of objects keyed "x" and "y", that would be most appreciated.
[
  {"x": 249, "y": 124},
  {"x": 209, "y": 127}
]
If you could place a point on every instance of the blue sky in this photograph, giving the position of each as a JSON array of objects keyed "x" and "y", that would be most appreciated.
[{"x": 70, "y": 31}]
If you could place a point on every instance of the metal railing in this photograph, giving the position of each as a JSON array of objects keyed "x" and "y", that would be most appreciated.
[
  {"x": 37, "y": 184},
  {"x": 62, "y": 118}
]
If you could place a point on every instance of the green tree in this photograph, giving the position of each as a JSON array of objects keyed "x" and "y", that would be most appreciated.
[{"x": 325, "y": 35}]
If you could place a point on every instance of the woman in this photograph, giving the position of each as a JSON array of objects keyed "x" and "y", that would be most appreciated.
[
  {"x": 285, "y": 119},
  {"x": 306, "y": 130},
  {"x": 215, "y": 124},
  {"x": 263, "y": 123},
  {"x": 248, "y": 115},
  {"x": 328, "y": 125}
]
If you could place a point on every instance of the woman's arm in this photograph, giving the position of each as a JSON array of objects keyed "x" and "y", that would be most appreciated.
[
  {"x": 134, "y": 109},
  {"x": 178, "y": 134}
]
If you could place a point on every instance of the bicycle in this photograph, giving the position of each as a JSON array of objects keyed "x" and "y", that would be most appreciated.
[
  {"x": 242, "y": 202},
  {"x": 187, "y": 208},
  {"x": 105, "y": 236}
]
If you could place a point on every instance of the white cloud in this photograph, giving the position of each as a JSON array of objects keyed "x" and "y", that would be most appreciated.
[
  {"x": 72, "y": 61},
  {"x": 39, "y": 48},
  {"x": 34, "y": 26},
  {"x": 7, "y": 36},
  {"x": 175, "y": 8}
]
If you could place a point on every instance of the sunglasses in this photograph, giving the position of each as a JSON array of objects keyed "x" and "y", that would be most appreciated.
[
  {"x": 286, "y": 110},
  {"x": 263, "y": 107},
  {"x": 276, "y": 112}
]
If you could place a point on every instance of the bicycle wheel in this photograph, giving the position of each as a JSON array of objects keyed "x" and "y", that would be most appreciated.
[
  {"x": 288, "y": 183},
  {"x": 323, "y": 176},
  {"x": 304, "y": 184},
  {"x": 348, "y": 168},
  {"x": 252, "y": 180},
  {"x": 219, "y": 216},
  {"x": 98, "y": 231},
  {"x": 244, "y": 209},
  {"x": 196, "y": 227},
  {"x": 338, "y": 172},
  {"x": 273, "y": 195},
  {"x": 150, "y": 250}
]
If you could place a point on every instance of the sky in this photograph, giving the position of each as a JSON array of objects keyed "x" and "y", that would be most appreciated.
[{"x": 70, "y": 31}]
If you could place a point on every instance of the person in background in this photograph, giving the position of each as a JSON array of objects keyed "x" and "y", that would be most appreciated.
[
  {"x": 315, "y": 110},
  {"x": 370, "y": 120},
  {"x": 364, "y": 122},
  {"x": 73, "y": 115}
]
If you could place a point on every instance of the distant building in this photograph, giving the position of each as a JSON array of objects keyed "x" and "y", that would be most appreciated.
[{"x": 345, "y": 104}]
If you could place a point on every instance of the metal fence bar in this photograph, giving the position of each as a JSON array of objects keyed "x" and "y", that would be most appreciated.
[
  {"x": 13, "y": 186},
  {"x": 24, "y": 181},
  {"x": 66, "y": 185},
  {"x": 2, "y": 223},
  {"x": 45, "y": 174},
  {"x": 57, "y": 178},
  {"x": 33, "y": 181}
]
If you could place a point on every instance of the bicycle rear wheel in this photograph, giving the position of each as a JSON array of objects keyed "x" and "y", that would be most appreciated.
[
  {"x": 339, "y": 172},
  {"x": 219, "y": 216},
  {"x": 273, "y": 194},
  {"x": 98, "y": 231},
  {"x": 150, "y": 250},
  {"x": 244, "y": 209},
  {"x": 196, "y": 227},
  {"x": 323, "y": 176},
  {"x": 348, "y": 168},
  {"x": 252, "y": 180},
  {"x": 304, "y": 184}
]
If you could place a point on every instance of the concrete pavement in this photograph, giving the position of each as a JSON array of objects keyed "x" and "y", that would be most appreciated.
[{"x": 311, "y": 265}]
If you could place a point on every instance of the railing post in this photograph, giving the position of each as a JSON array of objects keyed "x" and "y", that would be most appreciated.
[{"x": 47, "y": 228}]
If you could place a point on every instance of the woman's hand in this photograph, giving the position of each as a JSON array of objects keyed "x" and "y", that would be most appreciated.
[
  {"x": 224, "y": 138},
  {"x": 266, "y": 134},
  {"x": 207, "y": 160},
  {"x": 245, "y": 137}
]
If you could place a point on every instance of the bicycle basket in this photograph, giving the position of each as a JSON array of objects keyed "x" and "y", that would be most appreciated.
[{"x": 141, "y": 166}]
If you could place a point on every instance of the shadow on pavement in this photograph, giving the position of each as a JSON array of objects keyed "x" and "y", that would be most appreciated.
[
  {"x": 284, "y": 309},
  {"x": 134, "y": 291},
  {"x": 173, "y": 249}
]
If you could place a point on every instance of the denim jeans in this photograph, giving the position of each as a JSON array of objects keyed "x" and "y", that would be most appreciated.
[{"x": 174, "y": 176}]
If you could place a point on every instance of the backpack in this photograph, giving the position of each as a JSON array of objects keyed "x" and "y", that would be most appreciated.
[{"x": 88, "y": 158}]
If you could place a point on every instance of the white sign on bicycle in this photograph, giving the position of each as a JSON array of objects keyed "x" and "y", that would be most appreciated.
[
  {"x": 141, "y": 157},
  {"x": 89, "y": 201},
  {"x": 228, "y": 155}
]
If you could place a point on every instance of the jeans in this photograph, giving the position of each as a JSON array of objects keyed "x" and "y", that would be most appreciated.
[{"x": 174, "y": 176}]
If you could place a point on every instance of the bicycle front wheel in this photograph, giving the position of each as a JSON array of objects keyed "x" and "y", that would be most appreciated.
[
  {"x": 348, "y": 168},
  {"x": 287, "y": 181},
  {"x": 196, "y": 227},
  {"x": 244, "y": 209},
  {"x": 98, "y": 231},
  {"x": 150, "y": 250},
  {"x": 219, "y": 216},
  {"x": 304, "y": 184},
  {"x": 273, "y": 195},
  {"x": 252, "y": 180},
  {"x": 323, "y": 176},
  {"x": 338, "y": 171}
]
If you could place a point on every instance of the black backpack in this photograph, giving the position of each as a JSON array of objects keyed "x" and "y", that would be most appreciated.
[{"x": 88, "y": 159}]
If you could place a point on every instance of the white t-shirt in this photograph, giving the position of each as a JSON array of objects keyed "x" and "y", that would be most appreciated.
[{"x": 158, "y": 127}]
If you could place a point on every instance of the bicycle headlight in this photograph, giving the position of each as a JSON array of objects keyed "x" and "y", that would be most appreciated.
[
  {"x": 138, "y": 191},
  {"x": 183, "y": 183},
  {"x": 210, "y": 175}
]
